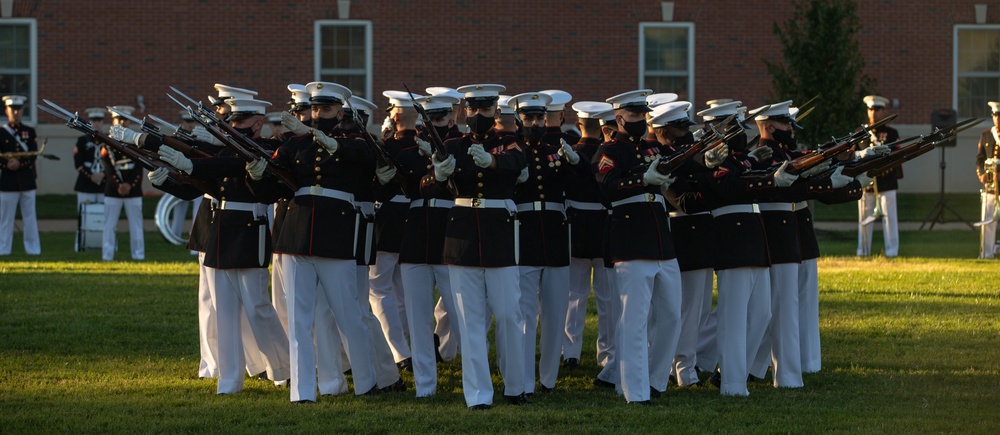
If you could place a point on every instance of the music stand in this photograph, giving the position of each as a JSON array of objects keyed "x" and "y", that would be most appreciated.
[{"x": 943, "y": 118}]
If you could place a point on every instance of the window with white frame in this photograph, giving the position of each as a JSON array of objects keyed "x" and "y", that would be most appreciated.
[
  {"x": 344, "y": 54},
  {"x": 666, "y": 58},
  {"x": 18, "y": 64},
  {"x": 977, "y": 69}
]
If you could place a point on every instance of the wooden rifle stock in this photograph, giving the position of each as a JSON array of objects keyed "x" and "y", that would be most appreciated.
[
  {"x": 152, "y": 163},
  {"x": 437, "y": 145}
]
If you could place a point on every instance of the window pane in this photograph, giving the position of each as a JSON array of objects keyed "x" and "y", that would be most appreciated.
[
  {"x": 343, "y": 47},
  {"x": 974, "y": 93},
  {"x": 979, "y": 50},
  {"x": 666, "y": 49}
]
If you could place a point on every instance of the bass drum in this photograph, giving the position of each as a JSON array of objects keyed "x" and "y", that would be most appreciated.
[{"x": 164, "y": 210}]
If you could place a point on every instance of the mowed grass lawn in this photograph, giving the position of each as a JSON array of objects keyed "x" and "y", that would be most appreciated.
[{"x": 910, "y": 345}]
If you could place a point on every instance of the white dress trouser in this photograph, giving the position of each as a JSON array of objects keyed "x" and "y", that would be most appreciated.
[
  {"x": 208, "y": 331},
  {"x": 988, "y": 232},
  {"x": 744, "y": 310},
  {"x": 245, "y": 290},
  {"x": 133, "y": 211},
  {"x": 708, "y": 348},
  {"x": 809, "y": 316},
  {"x": 696, "y": 285},
  {"x": 331, "y": 359},
  {"x": 649, "y": 326},
  {"x": 9, "y": 202},
  {"x": 890, "y": 228},
  {"x": 544, "y": 300},
  {"x": 387, "y": 303},
  {"x": 278, "y": 297},
  {"x": 584, "y": 274},
  {"x": 780, "y": 346},
  {"x": 420, "y": 280},
  {"x": 476, "y": 290},
  {"x": 610, "y": 372},
  {"x": 446, "y": 331},
  {"x": 338, "y": 281},
  {"x": 386, "y": 371}
]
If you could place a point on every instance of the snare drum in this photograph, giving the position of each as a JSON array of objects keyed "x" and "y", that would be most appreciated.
[{"x": 90, "y": 228}]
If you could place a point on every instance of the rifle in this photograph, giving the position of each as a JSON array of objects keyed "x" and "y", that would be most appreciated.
[
  {"x": 41, "y": 150},
  {"x": 140, "y": 158},
  {"x": 154, "y": 131},
  {"x": 380, "y": 152},
  {"x": 667, "y": 166},
  {"x": 179, "y": 132},
  {"x": 897, "y": 157},
  {"x": 246, "y": 149},
  {"x": 437, "y": 145},
  {"x": 832, "y": 148}
]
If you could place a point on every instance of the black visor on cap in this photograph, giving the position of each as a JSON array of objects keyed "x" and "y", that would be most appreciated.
[
  {"x": 326, "y": 100},
  {"x": 638, "y": 107},
  {"x": 480, "y": 102},
  {"x": 438, "y": 112},
  {"x": 681, "y": 123},
  {"x": 531, "y": 109}
]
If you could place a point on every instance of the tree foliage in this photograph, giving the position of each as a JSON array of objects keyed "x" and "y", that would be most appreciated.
[{"x": 822, "y": 57}]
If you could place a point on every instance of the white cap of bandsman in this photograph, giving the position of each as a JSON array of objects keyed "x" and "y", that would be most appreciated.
[
  {"x": 660, "y": 99},
  {"x": 673, "y": 114},
  {"x": 399, "y": 99},
  {"x": 437, "y": 91},
  {"x": 591, "y": 109},
  {"x": 247, "y": 106},
  {"x": 361, "y": 105},
  {"x": 128, "y": 110},
  {"x": 530, "y": 102},
  {"x": 718, "y": 102},
  {"x": 776, "y": 112},
  {"x": 439, "y": 104},
  {"x": 327, "y": 93},
  {"x": 14, "y": 100},
  {"x": 633, "y": 101},
  {"x": 273, "y": 117},
  {"x": 481, "y": 95},
  {"x": 994, "y": 106},
  {"x": 227, "y": 92},
  {"x": 876, "y": 102},
  {"x": 719, "y": 111},
  {"x": 502, "y": 104},
  {"x": 300, "y": 97},
  {"x": 559, "y": 99},
  {"x": 96, "y": 113}
]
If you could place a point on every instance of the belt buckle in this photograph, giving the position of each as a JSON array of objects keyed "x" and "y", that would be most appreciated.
[
  {"x": 650, "y": 197},
  {"x": 477, "y": 202},
  {"x": 316, "y": 190},
  {"x": 755, "y": 207},
  {"x": 539, "y": 205}
]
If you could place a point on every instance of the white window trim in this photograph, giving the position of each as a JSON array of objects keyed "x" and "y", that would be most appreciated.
[
  {"x": 33, "y": 66},
  {"x": 317, "y": 46},
  {"x": 690, "y": 53},
  {"x": 954, "y": 58}
]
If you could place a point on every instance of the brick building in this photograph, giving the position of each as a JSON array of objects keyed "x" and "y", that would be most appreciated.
[{"x": 924, "y": 54}]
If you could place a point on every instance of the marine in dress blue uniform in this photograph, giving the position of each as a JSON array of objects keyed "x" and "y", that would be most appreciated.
[{"x": 17, "y": 178}]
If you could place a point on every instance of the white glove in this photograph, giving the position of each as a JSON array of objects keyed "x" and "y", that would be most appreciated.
[
  {"x": 387, "y": 126},
  {"x": 714, "y": 157},
  {"x": 818, "y": 169},
  {"x": 175, "y": 158},
  {"x": 480, "y": 157},
  {"x": 523, "y": 176},
  {"x": 864, "y": 179},
  {"x": 572, "y": 156},
  {"x": 158, "y": 176},
  {"x": 838, "y": 180},
  {"x": 871, "y": 151},
  {"x": 423, "y": 147},
  {"x": 443, "y": 170},
  {"x": 124, "y": 134},
  {"x": 201, "y": 133},
  {"x": 652, "y": 177},
  {"x": 327, "y": 142},
  {"x": 385, "y": 174},
  {"x": 782, "y": 178},
  {"x": 256, "y": 169},
  {"x": 293, "y": 124},
  {"x": 991, "y": 162},
  {"x": 761, "y": 153}
]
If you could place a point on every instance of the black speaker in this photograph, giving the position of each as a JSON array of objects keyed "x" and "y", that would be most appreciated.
[{"x": 942, "y": 118}]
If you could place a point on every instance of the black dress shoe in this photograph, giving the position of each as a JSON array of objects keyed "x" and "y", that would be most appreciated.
[
  {"x": 406, "y": 365},
  {"x": 303, "y": 402},
  {"x": 543, "y": 389},
  {"x": 520, "y": 399},
  {"x": 347, "y": 372},
  {"x": 716, "y": 379},
  {"x": 598, "y": 382},
  {"x": 571, "y": 363},
  {"x": 752, "y": 378},
  {"x": 396, "y": 387},
  {"x": 654, "y": 393},
  {"x": 642, "y": 403},
  {"x": 372, "y": 392},
  {"x": 672, "y": 380},
  {"x": 480, "y": 407}
]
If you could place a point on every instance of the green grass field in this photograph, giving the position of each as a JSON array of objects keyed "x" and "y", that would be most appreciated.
[{"x": 910, "y": 346}]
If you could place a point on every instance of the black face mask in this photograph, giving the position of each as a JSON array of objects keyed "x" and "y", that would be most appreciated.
[
  {"x": 738, "y": 144},
  {"x": 636, "y": 129},
  {"x": 479, "y": 124},
  {"x": 248, "y": 131},
  {"x": 785, "y": 138},
  {"x": 326, "y": 125},
  {"x": 443, "y": 131},
  {"x": 534, "y": 133},
  {"x": 686, "y": 139}
]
